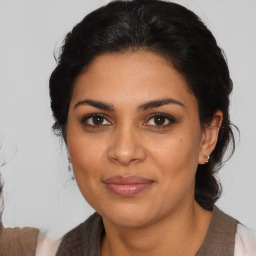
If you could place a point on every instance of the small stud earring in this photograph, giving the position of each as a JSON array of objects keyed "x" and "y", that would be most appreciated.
[{"x": 207, "y": 159}]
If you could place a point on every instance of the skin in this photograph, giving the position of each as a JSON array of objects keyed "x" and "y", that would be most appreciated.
[{"x": 166, "y": 150}]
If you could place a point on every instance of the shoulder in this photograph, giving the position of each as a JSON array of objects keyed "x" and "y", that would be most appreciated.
[
  {"x": 25, "y": 235},
  {"x": 76, "y": 235},
  {"x": 245, "y": 241},
  {"x": 18, "y": 241},
  {"x": 76, "y": 241}
]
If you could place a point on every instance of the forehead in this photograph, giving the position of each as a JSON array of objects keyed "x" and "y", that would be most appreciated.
[{"x": 131, "y": 76}]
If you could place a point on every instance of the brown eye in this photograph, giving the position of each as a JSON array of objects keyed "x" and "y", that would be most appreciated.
[
  {"x": 97, "y": 120},
  {"x": 159, "y": 120}
]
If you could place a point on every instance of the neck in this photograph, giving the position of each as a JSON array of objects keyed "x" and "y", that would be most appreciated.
[{"x": 181, "y": 233}]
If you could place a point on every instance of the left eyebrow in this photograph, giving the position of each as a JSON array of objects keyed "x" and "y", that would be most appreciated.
[
  {"x": 96, "y": 104},
  {"x": 159, "y": 103}
]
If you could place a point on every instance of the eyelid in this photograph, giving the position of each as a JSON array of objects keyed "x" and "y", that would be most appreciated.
[
  {"x": 88, "y": 116},
  {"x": 170, "y": 118}
]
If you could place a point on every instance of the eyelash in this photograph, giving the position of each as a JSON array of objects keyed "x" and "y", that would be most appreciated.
[
  {"x": 170, "y": 119},
  {"x": 87, "y": 117}
]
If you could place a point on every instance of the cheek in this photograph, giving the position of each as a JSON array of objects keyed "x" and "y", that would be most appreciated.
[
  {"x": 85, "y": 152},
  {"x": 87, "y": 161},
  {"x": 176, "y": 160},
  {"x": 82, "y": 153},
  {"x": 176, "y": 163},
  {"x": 176, "y": 151}
]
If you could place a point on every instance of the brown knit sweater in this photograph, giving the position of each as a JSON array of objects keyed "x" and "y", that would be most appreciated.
[
  {"x": 85, "y": 240},
  {"x": 18, "y": 241}
]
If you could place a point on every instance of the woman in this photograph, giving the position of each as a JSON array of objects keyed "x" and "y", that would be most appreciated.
[{"x": 141, "y": 98}]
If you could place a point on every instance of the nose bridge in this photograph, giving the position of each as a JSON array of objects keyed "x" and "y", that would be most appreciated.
[{"x": 126, "y": 145}]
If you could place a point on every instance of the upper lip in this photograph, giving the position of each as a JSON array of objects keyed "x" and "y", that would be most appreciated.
[{"x": 123, "y": 180}]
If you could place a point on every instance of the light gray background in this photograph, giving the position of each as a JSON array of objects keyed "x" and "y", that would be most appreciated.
[{"x": 38, "y": 187}]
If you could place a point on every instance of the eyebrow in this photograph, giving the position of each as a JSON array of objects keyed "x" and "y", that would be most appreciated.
[
  {"x": 96, "y": 104},
  {"x": 145, "y": 106},
  {"x": 159, "y": 103}
]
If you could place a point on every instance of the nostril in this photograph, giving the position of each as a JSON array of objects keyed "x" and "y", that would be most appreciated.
[{"x": 126, "y": 153}]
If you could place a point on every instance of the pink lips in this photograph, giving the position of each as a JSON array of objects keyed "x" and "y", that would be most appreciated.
[{"x": 127, "y": 186}]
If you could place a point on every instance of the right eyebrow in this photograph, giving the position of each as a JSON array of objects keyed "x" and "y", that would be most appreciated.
[
  {"x": 96, "y": 104},
  {"x": 159, "y": 103}
]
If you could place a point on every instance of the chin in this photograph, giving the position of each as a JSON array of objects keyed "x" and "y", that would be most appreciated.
[{"x": 129, "y": 216}]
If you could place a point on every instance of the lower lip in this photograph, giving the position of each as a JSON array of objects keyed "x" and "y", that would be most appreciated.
[{"x": 128, "y": 189}]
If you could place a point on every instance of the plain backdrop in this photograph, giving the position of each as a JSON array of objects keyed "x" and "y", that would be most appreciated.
[{"x": 38, "y": 188}]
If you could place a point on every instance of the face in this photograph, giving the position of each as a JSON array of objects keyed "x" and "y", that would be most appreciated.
[{"x": 134, "y": 138}]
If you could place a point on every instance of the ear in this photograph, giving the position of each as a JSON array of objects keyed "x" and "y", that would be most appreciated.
[{"x": 210, "y": 137}]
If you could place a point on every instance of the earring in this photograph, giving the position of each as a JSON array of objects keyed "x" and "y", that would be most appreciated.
[
  {"x": 69, "y": 164},
  {"x": 207, "y": 159},
  {"x": 70, "y": 169}
]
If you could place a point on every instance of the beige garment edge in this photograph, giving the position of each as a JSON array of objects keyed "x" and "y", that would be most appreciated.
[{"x": 18, "y": 241}]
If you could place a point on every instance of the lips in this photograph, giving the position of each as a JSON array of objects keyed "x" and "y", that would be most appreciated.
[{"x": 127, "y": 186}]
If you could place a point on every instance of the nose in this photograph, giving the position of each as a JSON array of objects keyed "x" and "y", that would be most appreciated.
[{"x": 126, "y": 147}]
